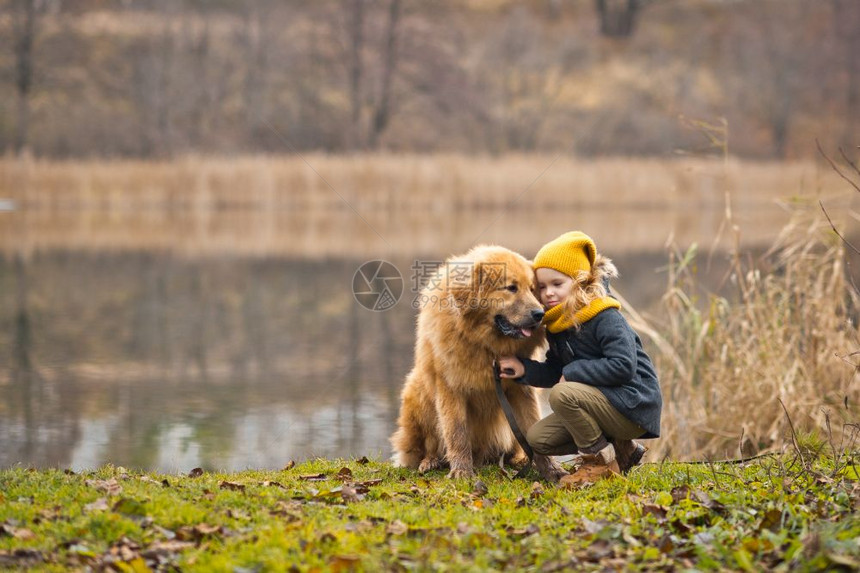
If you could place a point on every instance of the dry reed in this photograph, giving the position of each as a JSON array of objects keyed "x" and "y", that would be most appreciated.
[
  {"x": 784, "y": 333},
  {"x": 409, "y": 205}
]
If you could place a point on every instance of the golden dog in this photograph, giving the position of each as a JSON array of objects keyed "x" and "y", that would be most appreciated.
[{"x": 476, "y": 307}]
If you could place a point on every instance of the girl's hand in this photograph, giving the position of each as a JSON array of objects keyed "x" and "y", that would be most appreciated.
[{"x": 511, "y": 367}]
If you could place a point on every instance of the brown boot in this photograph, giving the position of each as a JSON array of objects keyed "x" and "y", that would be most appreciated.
[
  {"x": 629, "y": 454},
  {"x": 598, "y": 462}
]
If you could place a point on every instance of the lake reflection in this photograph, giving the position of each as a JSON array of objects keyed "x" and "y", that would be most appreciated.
[{"x": 235, "y": 341}]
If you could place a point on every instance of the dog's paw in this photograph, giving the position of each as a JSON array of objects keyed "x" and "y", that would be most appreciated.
[
  {"x": 429, "y": 464},
  {"x": 518, "y": 460},
  {"x": 461, "y": 472}
]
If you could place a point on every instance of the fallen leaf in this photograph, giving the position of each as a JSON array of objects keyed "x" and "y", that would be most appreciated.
[
  {"x": 340, "y": 563},
  {"x": 135, "y": 565},
  {"x": 198, "y": 532},
  {"x": 707, "y": 501},
  {"x": 521, "y": 532},
  {"x": 594, "y": 527},
  {"x": 362, "y": 526},
  {"x": 359, "y": 485},
  {"x": 680, "y": 492},
  {"x": 21, "y": 533},
  {"x": 599, "y": 550},
  {"x": 111, "y": 486},
  {"x": 771, "y": 520},
  {"x": 362, "y": 460},
  {"x": 313, "y": 477},
  {"x": 587, "y": 475},
  {"x": 268, "y": 483},
  {"x": 666, "y": 544},
  {"x": 571, "y": 564},
  {"x": 537, "y": 490},
  {"x": 396, "y": 527},
  {"x": 349, "y": 495},
  {"x": 681, "y": 527},
  {"x": 125, "y": 550},
  {"x": 328, "y": 537},
  {"x": 657, "y": 511},
  {"x": 237, "y": 514},
  {"x": 479, "y": 489},
  {"x": 290, "y": 465},
  {"x": 325, "y": 494},
  {"x": 48, "y": 514},
  {"x": 344, "y": 474},
  {"x": 21, "y": 557},
  {"x": 232, "y": 486},
  {"x": 100, "y": 504},
  {"x": 81, "y": 550},
  {"x": 287, "y": 509},
  {"x": 195, "y": 473},
  {"x": 165, "y": 547}
]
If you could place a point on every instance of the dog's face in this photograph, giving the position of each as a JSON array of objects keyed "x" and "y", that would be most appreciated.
[{"x": 502, "y": 294}]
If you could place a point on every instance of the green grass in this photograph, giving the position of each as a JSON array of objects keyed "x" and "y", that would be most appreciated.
[{"x": 768, "y": 514}]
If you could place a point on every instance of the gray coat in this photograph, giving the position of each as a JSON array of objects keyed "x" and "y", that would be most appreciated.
[{"x": 605, "y": 353}]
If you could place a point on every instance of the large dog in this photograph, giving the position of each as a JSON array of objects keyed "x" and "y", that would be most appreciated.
[{"x": 476, "y": 307}]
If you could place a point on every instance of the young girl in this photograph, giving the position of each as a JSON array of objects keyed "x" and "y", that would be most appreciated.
[{"x": 604, "y": 388}]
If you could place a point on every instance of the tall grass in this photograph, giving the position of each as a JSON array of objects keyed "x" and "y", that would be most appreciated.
[
  {"x": 400, "y": 181},
  {"x": 409, "y": 205},
  {"x": 784, "y": 334}
]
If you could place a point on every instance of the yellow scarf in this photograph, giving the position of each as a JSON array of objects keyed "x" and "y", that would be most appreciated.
[{"x": 556, "y": 321}]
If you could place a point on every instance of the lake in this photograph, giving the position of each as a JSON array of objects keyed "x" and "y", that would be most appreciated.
[{"x": 173, "y": 334}]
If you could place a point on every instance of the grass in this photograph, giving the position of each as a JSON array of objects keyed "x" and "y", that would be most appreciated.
[{"x": 780, "y": 512}]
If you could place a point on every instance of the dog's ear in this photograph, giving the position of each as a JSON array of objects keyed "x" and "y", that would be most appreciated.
[
  {"x": 489, "y": 276},
  {"x": 460, "y": 281},
  {"x": 533, "y": 284}
]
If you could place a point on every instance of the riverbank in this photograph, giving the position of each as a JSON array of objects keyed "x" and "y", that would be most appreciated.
[{"x": 796, "y": 511}]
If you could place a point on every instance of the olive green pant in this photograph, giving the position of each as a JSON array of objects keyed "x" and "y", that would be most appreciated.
[{"x": 581, "y": 414}]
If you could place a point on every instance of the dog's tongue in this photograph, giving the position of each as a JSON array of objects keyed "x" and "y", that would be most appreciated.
[{"x": 526, "y": 332}]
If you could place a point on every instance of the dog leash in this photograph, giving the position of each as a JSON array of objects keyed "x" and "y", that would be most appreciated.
[{"x": 512, "y": 421}]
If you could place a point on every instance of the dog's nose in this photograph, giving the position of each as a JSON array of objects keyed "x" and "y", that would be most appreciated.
[{"x": 537, "y": 315}]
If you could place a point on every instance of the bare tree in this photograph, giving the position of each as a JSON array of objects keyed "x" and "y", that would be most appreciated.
[
  {"x": 524, "y": 74},
  {"x": 846, "y": 26},
  {"x": 382, "y": 111},
  {"x": 618, "y": 17},
  {"x": 255, "y": 44},
  {"x": 25, "y": 20},
  {"x": 356, "y": 66},
  {"x": 153, "y": 89}
]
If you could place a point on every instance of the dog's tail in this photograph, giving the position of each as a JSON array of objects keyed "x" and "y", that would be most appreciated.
[{"x": 407, "y": 448}]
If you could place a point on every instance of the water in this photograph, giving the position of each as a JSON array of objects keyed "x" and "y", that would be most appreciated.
[{"x": 233, "y": 340}]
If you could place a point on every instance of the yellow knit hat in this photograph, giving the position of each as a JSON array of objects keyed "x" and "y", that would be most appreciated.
[{"x": 572, "y": 252}]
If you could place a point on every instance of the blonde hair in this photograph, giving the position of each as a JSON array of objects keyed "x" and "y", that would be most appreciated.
[{"x": 588, "y": 286}]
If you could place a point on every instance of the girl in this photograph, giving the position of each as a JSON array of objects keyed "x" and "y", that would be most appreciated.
[{"x": 604, "y": 388}]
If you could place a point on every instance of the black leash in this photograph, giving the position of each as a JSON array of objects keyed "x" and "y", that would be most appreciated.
[{"x": 512, "y": 421}]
